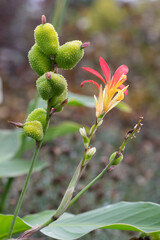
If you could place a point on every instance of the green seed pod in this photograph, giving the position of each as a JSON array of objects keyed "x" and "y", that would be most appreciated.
[
  {"x": 39, "y": 114},
  {"x": 39, "y": 62},
  {"x": 47, "y": 38},
  {"x": 51, "y": 84},
  {"x": 117, "y": 159},
  {"x": 69, "y": 54},
  {"x": 56, "y": 102},
  {"x": 34, "y": 130}
]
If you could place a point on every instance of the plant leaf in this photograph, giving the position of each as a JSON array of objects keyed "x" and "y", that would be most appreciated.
[
  {"x": 62, "y": 129},
  {"x": 132, "y": 216},
  {"x": 42, "y": 217},
  {"x": 26, "y": 223},
  {"x": 18, "y": 167},
  {"x": 80, "y": 100},
  {"x": 5, "y": 223},
  {"x": 10, "y": 141},
  {"x": 124, "y": 107},
  {"x": 140, "y": 216}
]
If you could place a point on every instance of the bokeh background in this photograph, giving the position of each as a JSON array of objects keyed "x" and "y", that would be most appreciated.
[{"x": 122, "y": 32}]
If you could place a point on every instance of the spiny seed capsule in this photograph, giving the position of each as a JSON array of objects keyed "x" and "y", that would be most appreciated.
[
  {"x": 51, "y": 85},
  {"x": 34, "y": 130},
  {"x": 56, "y": 102},
  {"x": 47, "y": 38},
  {"x": 38, "y": 114},
  {"x": 39, "y": 62},
  {"x": 69, "y": 54}
]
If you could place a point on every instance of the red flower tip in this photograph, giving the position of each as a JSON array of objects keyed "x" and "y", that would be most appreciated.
[
  {"x": 82, "y": 84},
  {"x": 48, "y": 76},
  {"x": 43, "y": 19}
]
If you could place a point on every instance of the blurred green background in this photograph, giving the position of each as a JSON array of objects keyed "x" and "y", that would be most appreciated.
[{"x": 122, "y": 32}]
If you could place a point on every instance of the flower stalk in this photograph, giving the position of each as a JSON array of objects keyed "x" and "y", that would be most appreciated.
[{"x": 108, "y": 168}]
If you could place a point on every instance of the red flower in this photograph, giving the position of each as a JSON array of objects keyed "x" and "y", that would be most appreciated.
[{"x": 114, "y": 89}]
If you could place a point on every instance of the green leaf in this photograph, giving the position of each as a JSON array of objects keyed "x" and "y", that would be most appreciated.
[
  {"x": 140, "y": 216},
  {"x": 136, "y": 216},
  {"x": 62, "y": 129},
  {"x": 18, "y": 167},
  {"x": 5, "y": 223},
  {"x": 25, "y": 223},
  {"x": 80, "y": 100},
  {"x": 41, "y": 218},
  {"x": 10, "y": 142},
  {"x": 124, "y": 107}
]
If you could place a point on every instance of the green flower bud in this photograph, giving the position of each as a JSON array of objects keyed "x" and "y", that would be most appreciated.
[
  {"x": 51, "y": 85},
  {"x": 69, "y": 54},
  {"x": 90, "y": 152},
  {"x": 47, "y": 38},
  {"x": 39, "y": 114},
  {"x": 56, "y": 102},
  {"x": 39, "y": 62},
  {"x": 34, "y": 130},
  {"x": 116, "y": 158}
]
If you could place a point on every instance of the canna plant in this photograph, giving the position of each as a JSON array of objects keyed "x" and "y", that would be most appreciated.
[{"x": 45, "y": 57}]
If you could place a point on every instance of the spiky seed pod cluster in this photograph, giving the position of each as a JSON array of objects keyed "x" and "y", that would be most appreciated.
[
  {"x": 46, "y": 52},
  {"x": 45, "y": 57},
  {"x": 35, "y": 124}
]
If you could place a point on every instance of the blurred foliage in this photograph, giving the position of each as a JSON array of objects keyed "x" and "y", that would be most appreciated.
[{"x": 105, "y": 15}]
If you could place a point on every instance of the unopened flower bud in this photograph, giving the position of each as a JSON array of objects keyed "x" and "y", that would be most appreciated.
[
  {"x": 116, "y": 158},
  {"x": 83, "y": 132},
  {"x": 90, "y": 152}
]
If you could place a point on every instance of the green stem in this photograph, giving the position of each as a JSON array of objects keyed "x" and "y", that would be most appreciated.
[
  {"x": 59, "y": 12},
  {"x": 5, "y": 193},
  {"x": 24, "y": 189},
  {"x": 38, "y": 146},
  {"x": 127, "y": 138},
  {"x": 89, "y": 185},
  {"x": 17, "y": 155}
]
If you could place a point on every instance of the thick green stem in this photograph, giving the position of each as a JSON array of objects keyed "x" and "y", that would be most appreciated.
[
  {"x": 24, "y": 189},
  {"x": 5, "y": 193}
]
